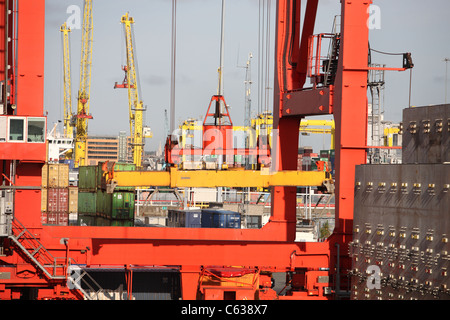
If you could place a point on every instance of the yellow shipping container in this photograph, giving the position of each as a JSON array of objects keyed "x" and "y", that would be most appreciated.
[
  {"x": 73, "y": 199},
  {"x": 44, "y": 176},
  {"x": 55, "y": 175},
  {"x": 44, "y": 199},
  {"x": 63, "y": 176}
]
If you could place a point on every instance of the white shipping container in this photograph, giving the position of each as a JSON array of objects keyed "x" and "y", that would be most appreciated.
[{"x": 204, "y": 195}]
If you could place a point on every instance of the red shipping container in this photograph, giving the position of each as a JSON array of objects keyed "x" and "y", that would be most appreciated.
[
  {"x": 63, "y": 219},
  {"x": 52, "y": 218},
  {"x": 58, "y": 200},
  {"x": 58, "y": 218}
]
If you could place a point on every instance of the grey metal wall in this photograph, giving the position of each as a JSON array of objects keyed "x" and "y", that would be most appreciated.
[
  {"x": 400, "y": 246},
  {"x": 426, "y": 134}
]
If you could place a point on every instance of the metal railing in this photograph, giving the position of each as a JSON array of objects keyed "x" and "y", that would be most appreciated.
[{"x": 37, "y": 253}]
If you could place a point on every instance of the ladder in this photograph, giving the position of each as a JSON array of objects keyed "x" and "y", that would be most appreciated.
[
  {"x": 376, "y": 84},
  {"x": 51, "y": 267},
  {"x": 54, "y": 268},
  {"x": 333, "y": 53}
]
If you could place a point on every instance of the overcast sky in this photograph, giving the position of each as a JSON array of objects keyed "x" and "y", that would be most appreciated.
[{"x": 419, "y": 27}]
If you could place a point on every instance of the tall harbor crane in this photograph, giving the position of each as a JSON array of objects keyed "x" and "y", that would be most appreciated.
[
  {"x": 83, "y": 115},
  {"x": 135, "y": 105},
  {"x": 68, "y": 127}
]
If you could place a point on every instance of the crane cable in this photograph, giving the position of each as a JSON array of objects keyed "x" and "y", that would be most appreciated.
[
  {"x": 173, "y": 65},
  {"x": 264, "y": 39}
]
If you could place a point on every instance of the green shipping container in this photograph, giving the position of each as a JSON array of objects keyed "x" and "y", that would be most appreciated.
[
  {"x": 104, "y": 204},
  {"x": 122, "y": 205},
  {"x": 102, "y": 222},
  {"x": 87, "y": 176},
  {"x": 87, "y": 203}
]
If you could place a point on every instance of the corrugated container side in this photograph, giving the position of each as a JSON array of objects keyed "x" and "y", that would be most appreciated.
[
  {"x": 87, "y": 203},
  {"x": 52, "y": 200},
  {"x": 87, "y": 176},
  {"x": 63, "y": 174},
  {"x": 100, "y": 203},
  {"x": 184, "y": 219},
  {"x": 57, "y": 200},
  {"x": 53, "y": 176},
  {"x": 206, "y": 219},
  {"x": 193, "y": 219},
  {"x": 64, "y": 200},
  {"x": 220, "y": 219},
  {"x": 102, "y": 222},
  {"x": 58, "y": 218},
  {"x": 73, "y": 199},
  {"x": 44, "y": 195},
  {"x": 44, "y": 176},
  {"x": 227, "y": 220},
  {"x": 122, "y": 205},
  {"x": 104, "y": 204}
]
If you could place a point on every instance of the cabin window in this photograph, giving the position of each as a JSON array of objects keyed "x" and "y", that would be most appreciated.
[
  {"x": 36, "y": 130},
  {"x": 16, "y": 129}
]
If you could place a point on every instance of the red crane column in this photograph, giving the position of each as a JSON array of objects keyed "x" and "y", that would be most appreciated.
[
  {"x": 350, "y": 107},
  {"x": 290, "y": 74},
  {"x": 30, "y": 103},
  {"x": 346, "y": 99},
  {"x": 30, "y": 53}
]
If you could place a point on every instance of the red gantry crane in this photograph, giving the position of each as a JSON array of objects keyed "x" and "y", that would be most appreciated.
[{"x": 45, "y": 257}]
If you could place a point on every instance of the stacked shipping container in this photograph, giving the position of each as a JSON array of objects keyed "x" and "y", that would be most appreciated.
[
  {"x": 220, "y": 218},
  {"x": 205, "y": 218},
  {"x": 96, "y": 207},
  {"x": 58, "y": 199},
  {"x": 190, "y": 218},
  {"x": 307, "y": 160}
]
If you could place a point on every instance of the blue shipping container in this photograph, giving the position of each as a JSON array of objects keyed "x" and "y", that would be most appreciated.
[
  {"x": 219, "y": 218},
  {"x": 184, "y": 218}
]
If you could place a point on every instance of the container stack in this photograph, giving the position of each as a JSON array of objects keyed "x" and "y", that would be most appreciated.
[
  {"x": 55, "y": 194},
  {"x": 203, "y": 218},
  {"x": 328, "y": 157},
  {"x": 220, "y": 218},
  {"x": 307, "y": 159},
  {"x": 190, "y": 218},
  {"x": 96, "y": 207}
]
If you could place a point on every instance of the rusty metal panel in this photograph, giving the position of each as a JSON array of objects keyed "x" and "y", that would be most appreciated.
[{"x": 400, "y": 248}]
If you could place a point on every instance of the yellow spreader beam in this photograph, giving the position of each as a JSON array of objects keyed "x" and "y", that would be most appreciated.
[{"x": 221, "y": 178}]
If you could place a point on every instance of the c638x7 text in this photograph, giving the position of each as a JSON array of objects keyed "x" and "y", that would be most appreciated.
[{"x": 247, "y": 309}]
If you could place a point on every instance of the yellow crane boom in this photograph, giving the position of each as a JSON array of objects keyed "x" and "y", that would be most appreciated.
[
  {"x": 68, "y": 127},
  {"x": 85, "y": 85},
  {"x": 135, "y": 105}
]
